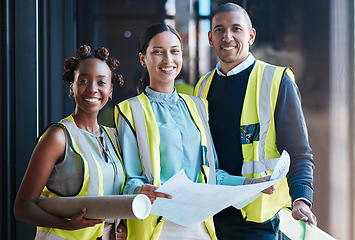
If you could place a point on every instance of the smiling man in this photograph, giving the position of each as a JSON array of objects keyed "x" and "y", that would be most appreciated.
[{"x": 255, "y": 114}]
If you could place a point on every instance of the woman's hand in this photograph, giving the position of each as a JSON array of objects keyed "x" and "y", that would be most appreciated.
[
  {"x": 121, "y": 232},
  {"x": 78, "y": 221},
  {"x": 269, "y": 190},
  {"x": 149, "y": 191}
]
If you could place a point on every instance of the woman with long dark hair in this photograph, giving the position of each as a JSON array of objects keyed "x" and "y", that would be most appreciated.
[{"x": 162, "y": 132}]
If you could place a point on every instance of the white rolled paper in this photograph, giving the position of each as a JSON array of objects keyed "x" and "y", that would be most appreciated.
[{"x": 99, "y": 207}]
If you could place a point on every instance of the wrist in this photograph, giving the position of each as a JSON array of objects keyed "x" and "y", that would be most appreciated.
[
  {"x": 248, "y": 180},
  {"x": 137, "y": 190},
  {"x": 302, "y": 202},
  {"x": 67, "y": 225}
]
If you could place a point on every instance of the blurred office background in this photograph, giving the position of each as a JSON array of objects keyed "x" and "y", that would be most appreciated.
[{"x": 315, "y": 38}]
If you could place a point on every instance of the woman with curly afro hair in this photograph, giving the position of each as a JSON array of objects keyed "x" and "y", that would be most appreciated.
[{"x": 76, "y": 156}]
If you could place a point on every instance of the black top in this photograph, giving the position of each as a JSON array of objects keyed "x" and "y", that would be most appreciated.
[{"x": 226, "y": 98}]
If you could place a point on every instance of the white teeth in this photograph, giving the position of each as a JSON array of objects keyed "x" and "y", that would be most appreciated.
[
  {"x": 167, "y": 69},
  {"x": 228, "y": 48},
  {"x": 91, "y": 99}
]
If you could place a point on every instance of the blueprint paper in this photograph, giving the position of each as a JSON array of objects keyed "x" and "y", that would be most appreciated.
[
  {"x": 193, "y": 203},
  {"x": 280, "y": 171},
  {"x": 281, "y": 167}
]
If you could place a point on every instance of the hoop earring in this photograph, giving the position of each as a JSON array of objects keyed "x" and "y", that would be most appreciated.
[
  {"x": 71, "y": 96},
  {"x": 109, "y": 99}
]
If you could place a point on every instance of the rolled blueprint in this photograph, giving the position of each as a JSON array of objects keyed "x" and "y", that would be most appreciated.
[{"x": 99, "y": 207}]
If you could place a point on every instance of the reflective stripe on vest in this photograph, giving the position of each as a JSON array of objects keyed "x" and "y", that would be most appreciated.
[
  {"x": 263, "y": 164},
  {"x": 258, "y": 135},
  {"x": 202, "y": 112},
  {"x": 113, "y": 136},
  {"x": 137, "y": 112},
  {"x": 201, "y": 86},
  {"x": 142, "y": 138},
  {"x": 95, "y": 176},
  {"x": 259, "y": 166},
  {"x": 92, "y": 185},
  {"x": 140, "y": 119}
]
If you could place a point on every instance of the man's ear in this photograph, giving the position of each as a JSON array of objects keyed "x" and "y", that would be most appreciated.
[
  {"x": 252, "y": 36},
  {"x": 210, "y": 38}
]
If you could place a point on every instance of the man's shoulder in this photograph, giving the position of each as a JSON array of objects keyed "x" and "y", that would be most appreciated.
[
  {"x": 287, "y": 76},
  {"x": 208, "y": 74},
  {"x": 263, "y": 63}
]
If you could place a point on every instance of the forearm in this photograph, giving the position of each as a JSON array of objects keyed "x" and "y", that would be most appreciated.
[
  {"x": 300, "y": 179},
  {"x": 223, "y": 178},
  {"x": 132, "y": 185},
  {"x": 31, "y": 213}
]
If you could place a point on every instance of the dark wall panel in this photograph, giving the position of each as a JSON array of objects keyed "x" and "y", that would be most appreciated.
[{"x": 25, "y": 92}]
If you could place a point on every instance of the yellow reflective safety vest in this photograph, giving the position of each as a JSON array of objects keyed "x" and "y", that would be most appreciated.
[
  {"x": 139, "y": 115},
  {"x": 92, "y": 183},
  {"x": 258, "y": 135},
  {"x": 183, "y": 87}
]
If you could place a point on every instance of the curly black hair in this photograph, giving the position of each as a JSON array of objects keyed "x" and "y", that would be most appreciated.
[{"x": 84, "y": 52}]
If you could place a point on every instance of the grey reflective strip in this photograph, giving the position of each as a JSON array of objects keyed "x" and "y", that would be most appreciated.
[
  {"x": 201, "y": 108},
  {"x": 93, "y": 187},
  {"x": 259, "y": 167},
  {"x": 203, "y": 84},
  {"x": 40, "y": 235},
  {"x": 142, "y": 138},
  {"x": 264, "y": 108},
  {"x": 262, "y": 165}
]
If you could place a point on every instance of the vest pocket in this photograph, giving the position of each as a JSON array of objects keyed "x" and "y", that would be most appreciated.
[{"x": 249, "y": 133}]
